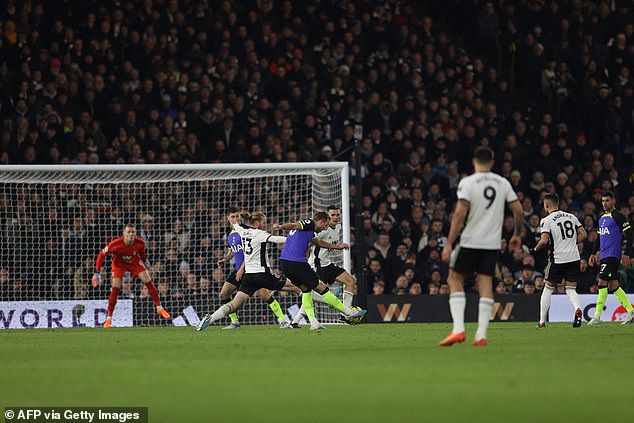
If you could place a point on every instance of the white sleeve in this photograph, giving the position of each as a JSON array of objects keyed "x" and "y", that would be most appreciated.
[
  {"x": 276, "y": 239},
  {"x": 510, "y": 193},
  {"x": 575, "y": 221},
  {"x": 544, "y": 225},
  {"x": 463, "y": 191}
]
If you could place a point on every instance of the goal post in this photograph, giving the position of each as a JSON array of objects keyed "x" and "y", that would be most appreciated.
[{"x": 56, "y": 218}]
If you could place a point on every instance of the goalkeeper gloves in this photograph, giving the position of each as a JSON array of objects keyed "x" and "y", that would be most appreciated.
[{"x": 96, "y": 279}]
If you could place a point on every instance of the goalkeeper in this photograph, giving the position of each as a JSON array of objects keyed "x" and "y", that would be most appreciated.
[{"x": 129, "y": 255}]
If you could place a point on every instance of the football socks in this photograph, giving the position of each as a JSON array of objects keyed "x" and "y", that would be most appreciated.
[
  {"x": 622, "y": 297},
  {"x": 603, "y": 295},
  {"x": 484, "y": 316},
  {"x": 571, "y": 292},
  {"x": 457, "y": 303},
  {"x": 544, "y": 303},
  {"x": 112, "y": 300}
]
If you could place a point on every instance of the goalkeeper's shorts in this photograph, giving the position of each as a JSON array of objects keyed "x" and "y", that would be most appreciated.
[{"x": 134, "y": 269}]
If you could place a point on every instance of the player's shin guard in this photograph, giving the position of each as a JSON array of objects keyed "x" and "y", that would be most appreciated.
[
  {"x": 571, "y": 292},
  {"x": 484, "y": 316},
  {"x": 275, "y": 306},
  {"x": 544, "y": 303},
  {"x": 457, "y": 304},
  {"x": 334, "y": 302},
  {"x": 232, "y": 316},
  {"x": 151, "y": 289},
  {"x": 309, "y": 307},
  {"x": 603, "y": 295},
  {"x": 622, "y": 297},
  {"x": 112, "y": 299}
]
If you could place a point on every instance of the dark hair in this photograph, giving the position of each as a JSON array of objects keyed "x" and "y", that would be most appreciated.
[
  {"x": 129, "y": 225},
  {"x": 233, "y": 209},
  {"x": 483, "y": 155},
  {"x": 607, "y": 194},
  {"x": 333, "y": 207},
  {"x": 321, "y": 216},
  {"x": 553, "y": 198}
]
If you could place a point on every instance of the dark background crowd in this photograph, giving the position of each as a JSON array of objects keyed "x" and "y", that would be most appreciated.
[{"x": 546, "y": 84}]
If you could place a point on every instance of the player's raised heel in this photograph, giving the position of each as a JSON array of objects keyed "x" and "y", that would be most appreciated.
[
  {"x": 204, "y": 322},
  {"x": 595, "y": 321},
  {"x": 578, "y": 315},
  {"x": 452, "y": 338},
  {"x": 480, "y": 342},
  {"x": 630, "y": 318},
  {"x": 285, "y": 324},
  {"x": 107, "y": 324},
  {"x": 231, "y": 326},
  {"x": 164, "y": 314}
]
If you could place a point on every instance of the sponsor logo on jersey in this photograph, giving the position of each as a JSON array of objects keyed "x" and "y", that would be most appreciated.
[
  {"x": 126, "y": 259},
  {"x": 604, "y": 231}
]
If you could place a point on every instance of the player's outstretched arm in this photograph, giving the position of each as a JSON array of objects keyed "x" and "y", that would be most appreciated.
[
  {"x": 288, "y": 226},
  {"x": 328, "y": 245}
]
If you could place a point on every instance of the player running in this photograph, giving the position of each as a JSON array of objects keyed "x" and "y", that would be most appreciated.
[
  {"x": 322, "y": 260},
  {"x": 482, "y": 196},
  {"x": 232, "y": 284},
  {"x": 129, "y": 256},
  {"x": 614, "y": 229},
  {"x": 562, "y": 231},
  {"x": 295, "y": 267},
  {"x": 258, "y": 273}
]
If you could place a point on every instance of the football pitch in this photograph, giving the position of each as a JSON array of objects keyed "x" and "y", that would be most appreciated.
[{"x": 366, "y": 373}]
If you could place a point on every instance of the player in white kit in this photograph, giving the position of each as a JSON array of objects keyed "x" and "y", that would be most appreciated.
[
  {"x": 482, "y": 198},
  {"x": 562, "y": 231}
]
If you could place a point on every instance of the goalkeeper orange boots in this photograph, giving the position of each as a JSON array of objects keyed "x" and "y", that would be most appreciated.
[
  {"x": 164, "y": 314},
  {"x": 108, "y": 323}
]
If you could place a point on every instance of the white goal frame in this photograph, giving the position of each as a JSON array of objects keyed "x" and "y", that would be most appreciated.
[{"x": 119, "y": 174}]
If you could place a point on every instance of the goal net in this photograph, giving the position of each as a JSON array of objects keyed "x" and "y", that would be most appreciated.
[{"x": 55, "y": 219}]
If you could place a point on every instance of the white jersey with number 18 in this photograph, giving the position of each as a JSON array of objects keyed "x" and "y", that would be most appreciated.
[
  {"x": 562, "y": 228},
  {"x": 487, "y": 194}
]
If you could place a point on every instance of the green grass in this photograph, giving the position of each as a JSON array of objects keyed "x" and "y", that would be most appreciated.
[{"x": 367, "y": 373}]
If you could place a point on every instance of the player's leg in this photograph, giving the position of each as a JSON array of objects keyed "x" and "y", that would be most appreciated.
[
  {"x": 224, "y": 310},
  {"x": 620, "y": 295},
  {"x": 349, "y": 287},
  {"x": 227, "y": 290},
  {"x": 306, "y": 281},
  {"x": 114, "y": 295},
  {"x": 334, "y": 302},
  {"x": 544, "y": 302},
  {"x": 267, "y": 296},
  {"x": 484, "y": 285},
  {"x": 603, "y": 295},
  {"x": 301, "y": 313},
  {"x": 571, "y": 292},
  {"x": 457, "y": 304},
  {"x": 153, "y": 292}
]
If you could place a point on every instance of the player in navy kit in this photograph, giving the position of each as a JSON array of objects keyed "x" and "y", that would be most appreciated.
[
  {"x": 296, "y": 268},
  {"x": 614, "y": 229}
]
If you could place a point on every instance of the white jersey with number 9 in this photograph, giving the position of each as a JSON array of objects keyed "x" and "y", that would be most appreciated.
[{"x": 487, "y": 194}]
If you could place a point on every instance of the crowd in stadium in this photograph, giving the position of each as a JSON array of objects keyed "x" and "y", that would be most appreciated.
[{"x": 546, "y": 84}]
